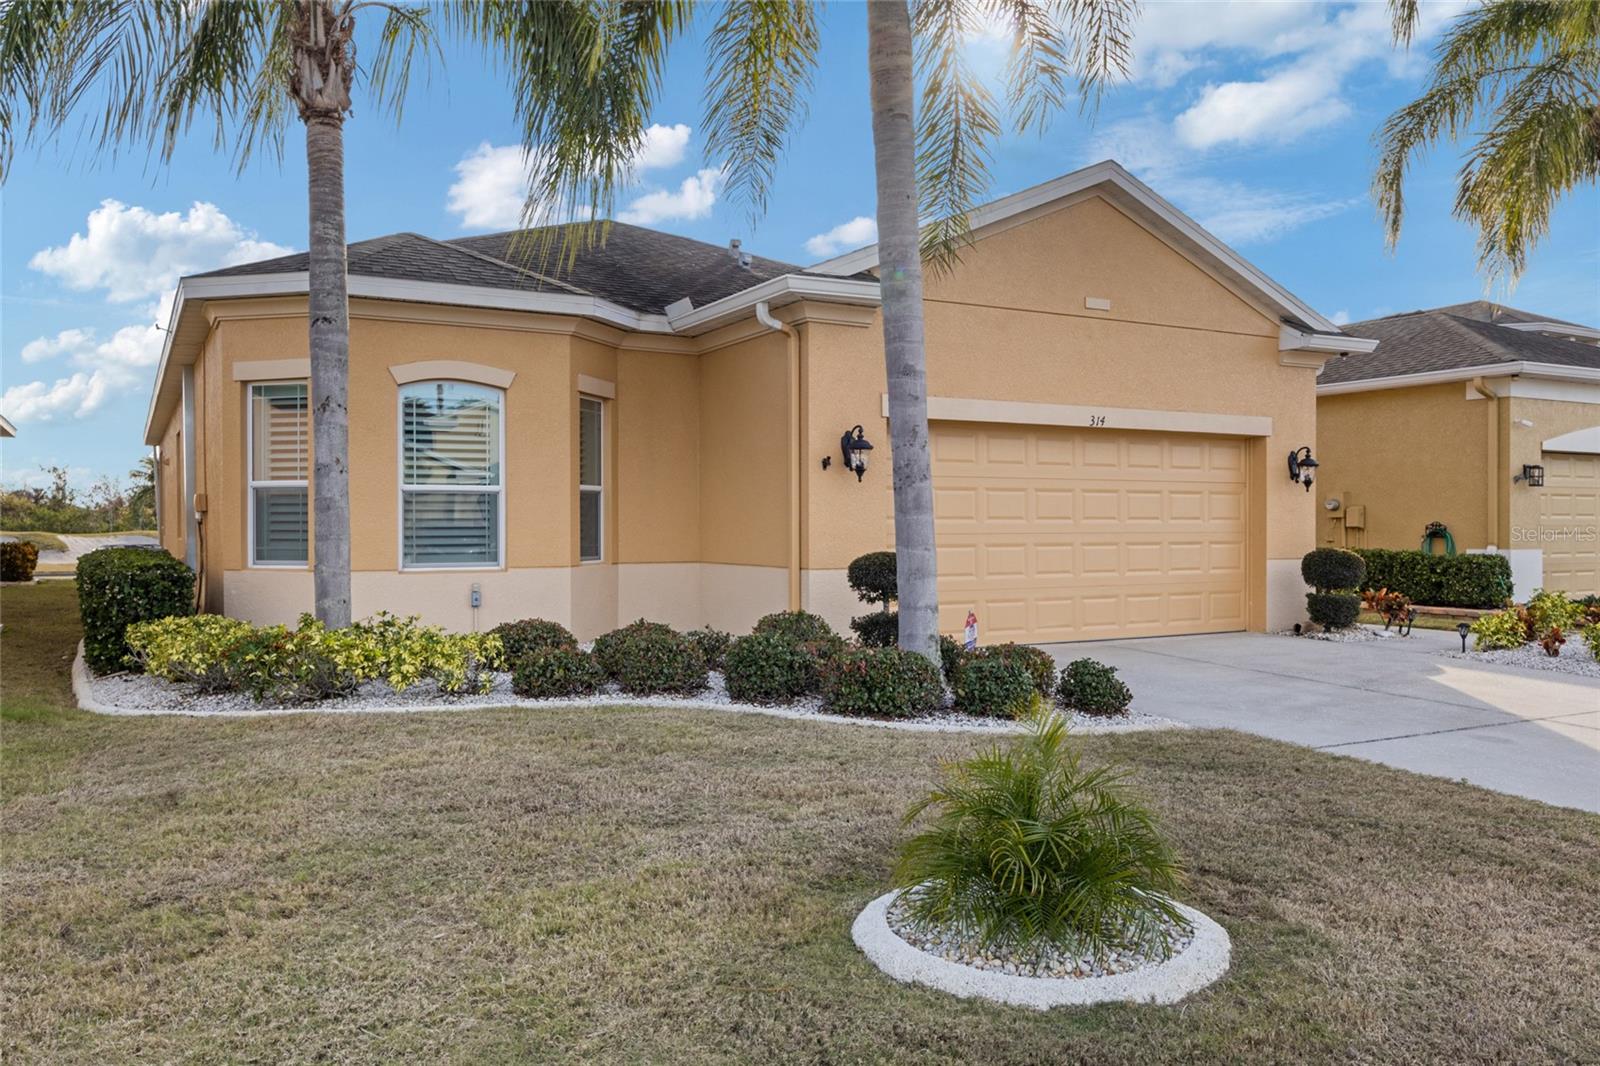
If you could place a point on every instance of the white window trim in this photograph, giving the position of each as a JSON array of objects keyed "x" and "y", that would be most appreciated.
[
  {"x": 251, "y": 484},
  {"x": 498, "y": 489},
  {"x": 598, "y": 490}
]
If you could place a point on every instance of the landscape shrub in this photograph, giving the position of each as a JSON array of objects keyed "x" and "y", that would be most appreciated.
[
  {"x": 522, "y": 638},
  {"x": 1028, "y": 848},
  {"x": 993, "y": 687},
  {"x": 556, "y": 672},
  {"x": 302, "y": 665},
  {"x": 797, "y": 627},
  {"x": 880, "y": 629},
  {"x": 1552, "y": 640},
  {"x": 404, "y": 652},
  {"x": 608, "y": 647},
  {"x": 655, "y": 660},
  {"x": 713, "y": 644},
  {"x": 880, "y": 683},
  {"x": 1502, "y": 629},
  {"x": 1332, "y": 569},
  {"x": 1591, "y": 637},
  {"x": 1393, "y": 607},
  {"x": 873, "y": 577},
  {"x": 18, "y": 559},
  {"x": 120, "y": 586},
  {"x": 1477, "y": 581},
  {"x": 1550, "y": 609},
  {"x": 192, "y": 649},
  {"x": 766, "y": 668},
  {"x": 1040, "y": 666},
  {"x": 1092, "y": 687},
  {"x": 952, "y": 654},
  {"x": 1333, "y": 610}
]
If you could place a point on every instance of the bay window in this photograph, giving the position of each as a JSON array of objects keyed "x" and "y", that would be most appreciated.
[
  {"x": 279, "y": 527},
  {"x": 451, "y": 447}
]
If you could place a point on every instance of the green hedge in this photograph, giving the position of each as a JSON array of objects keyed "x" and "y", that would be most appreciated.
[
  {"x": 1480, "y": 581},
  {"x": 120, "y": 586}
]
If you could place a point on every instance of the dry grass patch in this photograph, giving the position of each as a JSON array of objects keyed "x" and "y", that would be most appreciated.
[{"x": 646, "y": 886}]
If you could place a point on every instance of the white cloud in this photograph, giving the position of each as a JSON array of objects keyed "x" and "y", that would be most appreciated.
[
  {"x": 490, "y": 186},
  {"x": 1237, "y": 213},
  {"x": 663, "y": 146},
  {"x": 1278, "y": 108},
  {"x": 859, "y": 231},
  {"x": 134, "y": 253},
  {"x": 694, "y": 199},
  {"x": 492, "y": 181},
  {"x": 68, "y": 340},
  {"x": 1340, "y": 318}
]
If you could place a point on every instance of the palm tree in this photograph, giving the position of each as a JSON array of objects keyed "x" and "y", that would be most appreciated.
[
  {"x": 1522, "y": 77},
  {"x": 931, "y": 161},
  {"x": 583, "y": 77}
]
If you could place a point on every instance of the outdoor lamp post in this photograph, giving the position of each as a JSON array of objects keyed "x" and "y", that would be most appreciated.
[
  {"x": 1462, "y": 629},
  {"x": 1302, "y": 467},
  {"x": 855, "y": 446}
]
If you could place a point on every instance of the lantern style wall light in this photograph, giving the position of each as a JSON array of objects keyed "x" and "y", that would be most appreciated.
[
  {"x": 1302, "y": 468},
  {"x": 855, "y": 446},
  {"x": 1533, "y": 475}
]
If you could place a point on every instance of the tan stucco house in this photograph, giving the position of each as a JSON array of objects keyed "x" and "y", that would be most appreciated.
[
  {"x": 656, "y": 430},
  {"x": 1479, "y": 416}
]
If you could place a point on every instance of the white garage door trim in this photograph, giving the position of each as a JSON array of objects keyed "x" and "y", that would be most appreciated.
[{"x": 1020, "y": 412}]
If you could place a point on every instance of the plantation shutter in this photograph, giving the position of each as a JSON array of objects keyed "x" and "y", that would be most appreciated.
[
  {"x": 450, "y": 445},
  {"x": 278, "y": 462}
]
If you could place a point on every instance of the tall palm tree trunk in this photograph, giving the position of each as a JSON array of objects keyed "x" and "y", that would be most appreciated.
[
  {"x": 329, "y": 307},
  {"x": 894, "y": 140},
  {"x": 320, "y": 85}
]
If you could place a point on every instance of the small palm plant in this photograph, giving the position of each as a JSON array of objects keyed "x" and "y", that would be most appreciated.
[{"x": 1029, "y": 849}]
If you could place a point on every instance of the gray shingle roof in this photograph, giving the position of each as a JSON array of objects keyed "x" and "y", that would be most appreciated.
[
  {"x": 1453, "y": 338},
  {"x": 641, "y": 269}
]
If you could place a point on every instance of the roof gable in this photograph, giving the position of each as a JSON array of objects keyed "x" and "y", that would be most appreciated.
[
  {"x": 1443, "y": 340},
  {"x": 1142, "y": 203}
]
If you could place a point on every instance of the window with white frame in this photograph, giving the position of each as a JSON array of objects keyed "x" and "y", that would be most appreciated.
[
  {"x": 279, "y": 420},
  {"x": 591, "y": 480},
  {"x": 451, "y": 445}
]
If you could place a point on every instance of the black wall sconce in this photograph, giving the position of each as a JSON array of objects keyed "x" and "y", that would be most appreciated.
[
  {"x": 1302, "y": 468},
  {"x": 855, "y": 446},
  {"x": 1533, "y": 475}
]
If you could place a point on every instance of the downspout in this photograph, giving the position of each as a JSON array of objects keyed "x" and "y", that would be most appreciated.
[
  {"x": 765, "y": 317},
  {"x": 1492, "y": 454}
]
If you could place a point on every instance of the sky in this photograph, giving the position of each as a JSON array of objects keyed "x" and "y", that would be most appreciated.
[{"x": 1254, "y": 118}]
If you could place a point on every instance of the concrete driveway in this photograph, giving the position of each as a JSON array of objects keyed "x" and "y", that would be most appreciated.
[{"x": 1396, "y": 701}]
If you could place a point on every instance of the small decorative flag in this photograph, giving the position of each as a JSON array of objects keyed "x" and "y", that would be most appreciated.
[{"x": 972, "y": 631}]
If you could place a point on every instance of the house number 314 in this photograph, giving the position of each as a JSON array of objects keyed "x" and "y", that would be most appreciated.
[{"x": 1097, "y": 420}]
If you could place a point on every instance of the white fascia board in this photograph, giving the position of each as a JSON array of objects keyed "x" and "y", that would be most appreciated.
[
  {"x": 1110, "y": 172},
  {"x": 1584, "y": 441},
  {"x": 1551, "y": 371},
  {"x": 776, "y": 292},
  {"x": 1294, "y": 340},
  {"x": 152, "y": 435},
  {"x": 6, "y": 428},
  {"x": 1555, "y": 329}
]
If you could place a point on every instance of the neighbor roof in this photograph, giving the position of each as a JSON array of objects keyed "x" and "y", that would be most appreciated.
[
  {"x": 1460, "y": 337},
  {"x": 641, "y": 269}
]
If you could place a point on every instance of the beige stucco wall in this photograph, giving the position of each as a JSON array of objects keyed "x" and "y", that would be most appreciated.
[
  {"x": 1410, "y": 457},
  {"x": 715, "y": 445},
  {"x": 1011, "y": 324},
  {"x": 1548, "y": 418}
]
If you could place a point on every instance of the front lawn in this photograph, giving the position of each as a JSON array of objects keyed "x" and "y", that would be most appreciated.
[{"x": 665, "y": 885}]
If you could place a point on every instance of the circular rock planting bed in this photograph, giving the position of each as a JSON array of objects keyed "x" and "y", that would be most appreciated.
[{"x": 1041, "y": 979}]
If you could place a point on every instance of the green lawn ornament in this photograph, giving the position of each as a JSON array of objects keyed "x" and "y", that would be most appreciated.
[{"x": 1438, "y": 531}]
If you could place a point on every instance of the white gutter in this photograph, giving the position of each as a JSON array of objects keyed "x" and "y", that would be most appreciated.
[
  {"x": 1294, "y": 340},
  {"x": 684, "y": 318},
  {"x": 1553, "y": 371},
  {"x": 1563, "y": 330}
]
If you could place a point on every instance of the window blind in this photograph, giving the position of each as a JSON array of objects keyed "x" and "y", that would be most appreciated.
[
  {"x": 279, "y": 425},
  {"x": 450, "y": 447}
]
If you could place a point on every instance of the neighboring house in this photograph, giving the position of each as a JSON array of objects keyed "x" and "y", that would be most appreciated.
[
  {"x": 656, "y": 432},
  {"x": 1446, "y": 422}
]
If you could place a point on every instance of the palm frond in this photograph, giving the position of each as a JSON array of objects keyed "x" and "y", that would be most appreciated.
[
  {"x": 760, "y": 58},
  {"x": 406, "y": 41},
  {"x": 1403, "y": 17}
]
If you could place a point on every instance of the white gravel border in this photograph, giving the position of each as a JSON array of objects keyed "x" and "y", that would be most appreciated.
[
  {"x": 1574, "y": 660},
  {"x": 91, "y": 695},
  {"x": 1202, "y": 962}
]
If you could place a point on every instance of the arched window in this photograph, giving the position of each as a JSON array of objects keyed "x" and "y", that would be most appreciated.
[{"x": 452, "y": 444}]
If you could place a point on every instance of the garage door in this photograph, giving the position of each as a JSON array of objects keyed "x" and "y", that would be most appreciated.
[
  {"x": 1569, "y": 515},
  {"x": 1051, "y": 533}
]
